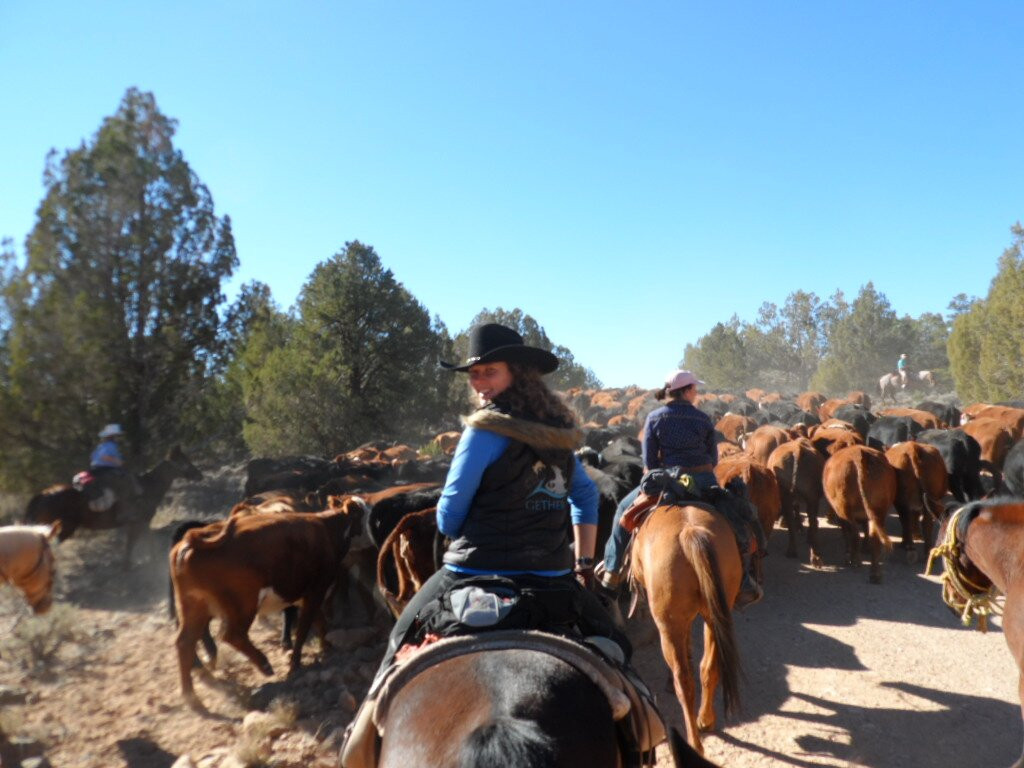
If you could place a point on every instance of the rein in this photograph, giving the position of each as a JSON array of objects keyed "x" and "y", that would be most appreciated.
[{"x": 960, "y": 593}]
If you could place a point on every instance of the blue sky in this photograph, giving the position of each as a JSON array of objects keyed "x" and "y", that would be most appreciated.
[{"x": 628, "y": 174}]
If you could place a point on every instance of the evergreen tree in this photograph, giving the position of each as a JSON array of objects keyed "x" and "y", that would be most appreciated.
[
  {"x": 113, "y": 316},
  {"x": 986, "y": 347},
  {"x": 360, "y": 362}
]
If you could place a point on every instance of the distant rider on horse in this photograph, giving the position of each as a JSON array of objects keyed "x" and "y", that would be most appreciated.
[
  {"x": 106, "y": 465},
  {"x": 902, "y": 370}
]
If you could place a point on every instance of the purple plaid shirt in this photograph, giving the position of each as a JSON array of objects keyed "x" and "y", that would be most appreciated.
[{"x": 679, "y": 435}]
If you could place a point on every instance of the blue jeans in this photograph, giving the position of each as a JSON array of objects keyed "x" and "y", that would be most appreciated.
[{"x": 619, "y": 538}]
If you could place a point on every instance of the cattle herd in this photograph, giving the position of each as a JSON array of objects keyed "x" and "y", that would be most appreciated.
[{"x": 360, "y": 527}]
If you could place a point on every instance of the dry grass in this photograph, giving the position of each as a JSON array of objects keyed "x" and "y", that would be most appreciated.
[
  {"x": 254, "y": 748},
  {"x": 35, "y": 641}
]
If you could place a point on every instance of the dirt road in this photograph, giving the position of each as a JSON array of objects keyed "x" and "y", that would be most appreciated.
[{"x": 838, "y": 673}]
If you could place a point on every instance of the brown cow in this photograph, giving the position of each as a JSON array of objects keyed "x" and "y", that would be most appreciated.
[
  {"x": 733, "y": 425},
  {"x": 446, "y": 442},
  {"x": 921, "y": 481},
  {"x": 924, "y": 418},
  {"x": 995, "y": 440},
  {"x": 755, "y": 394},
  {"x": 407, "y": 558},
  {"x": 763, "y": 440},
  {"x": 826, "y": 409},
  {"x": 253, "y": 564},
  {"x": 810, "y": 401},
  {"x": 728, "y": 449},
  {"x": 860, "y": 486},
  {"x": 858, "y": 397},
  {"x": 797, "y": 467},
  {"x": 761, "y": 485},
  {"x": 828, "y": 441},
  {"x": 1011, "y": 418}
]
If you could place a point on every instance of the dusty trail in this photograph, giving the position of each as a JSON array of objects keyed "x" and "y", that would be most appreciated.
[{"x": 838, "y": 673}]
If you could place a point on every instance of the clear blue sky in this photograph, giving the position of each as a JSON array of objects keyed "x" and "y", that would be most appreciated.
[{"x": 627, "y": 173}]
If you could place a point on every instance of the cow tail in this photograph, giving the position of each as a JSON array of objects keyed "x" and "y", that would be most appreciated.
[
  {"x": 921, "y": 485},
  {"x": 796, "y": 466},
  {"x": 698, "y": 548},
  {"x": 196, "y": 540},
  {"x": 874, "y": 529}
]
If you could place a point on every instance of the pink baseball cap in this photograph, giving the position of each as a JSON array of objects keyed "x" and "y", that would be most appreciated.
[{"x": 680, "y": 379}]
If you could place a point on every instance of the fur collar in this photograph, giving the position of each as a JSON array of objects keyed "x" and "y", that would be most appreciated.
[{"x": 533, "y": 433}]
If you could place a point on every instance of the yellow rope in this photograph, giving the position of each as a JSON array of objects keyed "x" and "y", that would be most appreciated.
[{"x": 958, "y": 592}]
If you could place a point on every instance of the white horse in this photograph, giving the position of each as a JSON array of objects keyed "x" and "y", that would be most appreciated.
[{"x": 27, "y": 562}]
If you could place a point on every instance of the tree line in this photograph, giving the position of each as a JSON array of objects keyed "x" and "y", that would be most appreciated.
[{"x": 117, "y": 313}]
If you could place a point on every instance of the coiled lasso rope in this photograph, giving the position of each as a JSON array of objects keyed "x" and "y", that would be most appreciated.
[{"x": 958, "y": 592}]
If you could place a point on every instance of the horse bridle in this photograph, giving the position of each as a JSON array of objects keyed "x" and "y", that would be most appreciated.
[{"x": 963, "y": 595}]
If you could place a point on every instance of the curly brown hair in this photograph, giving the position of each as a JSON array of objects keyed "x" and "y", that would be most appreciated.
[{"x": 529, "y": 396}]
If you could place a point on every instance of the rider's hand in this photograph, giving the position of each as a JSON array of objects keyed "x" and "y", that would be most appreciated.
[{"x": 585, "y": 576}]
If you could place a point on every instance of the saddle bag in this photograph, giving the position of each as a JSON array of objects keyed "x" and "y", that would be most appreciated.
[{"x": 487, "y": 602}]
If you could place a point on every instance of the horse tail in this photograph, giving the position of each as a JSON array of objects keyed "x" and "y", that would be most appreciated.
[
  {"x": 683, "y": 755},
  {"x": 698, "y": 547},
  {"x": 508, "y": 742},
  {"x": 874, "y": 529}
]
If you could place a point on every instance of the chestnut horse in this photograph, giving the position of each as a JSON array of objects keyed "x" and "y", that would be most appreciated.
[
  {"x": 981, "y": 545},
  {"x": 517, "y": 708},
  {"x": 26, "y": 562},
  {"x": 686, "y": 559},
  {"x": 69, "y": 505}
]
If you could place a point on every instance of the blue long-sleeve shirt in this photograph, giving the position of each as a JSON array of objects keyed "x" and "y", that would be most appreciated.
[
  {"x": 477, "y": 450},
  {"x": 107, "y": 454},
  {"x": 679, "y": 435}
]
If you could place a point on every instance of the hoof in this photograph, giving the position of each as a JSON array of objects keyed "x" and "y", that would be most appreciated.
[
  {"x": 192, "y": 702},
  {"x": 266, "y": 669},
  {"x": 705, "y": 726},
  {"x": 816, "y": 560}
]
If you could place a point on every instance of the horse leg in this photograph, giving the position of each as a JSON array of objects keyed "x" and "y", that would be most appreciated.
[{"x": 675, "y": 647}]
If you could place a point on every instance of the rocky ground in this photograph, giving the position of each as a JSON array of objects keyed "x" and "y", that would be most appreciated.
[{"x": 838, "y": 672}]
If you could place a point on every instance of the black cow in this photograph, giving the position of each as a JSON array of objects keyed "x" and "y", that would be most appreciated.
[
  {"x": 384, "y": 515},
  {"x": 889, "y": 430},
  {"x": 743, "y": 406},
  {"x": 1013, "y": 471},
  {"x": 783, "y": 411},
  {"x": 716, "y": 409},
  {"x": 962, "y": 457},
  {"x": 857, "y": 415},
  {"x": 949, "y": 414}
]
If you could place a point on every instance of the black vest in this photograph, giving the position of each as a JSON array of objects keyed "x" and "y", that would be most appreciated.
[{"x": 519, "y": 518}]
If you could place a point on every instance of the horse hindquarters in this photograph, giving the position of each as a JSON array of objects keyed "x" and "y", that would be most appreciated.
[{"x": 678, "y": 562}]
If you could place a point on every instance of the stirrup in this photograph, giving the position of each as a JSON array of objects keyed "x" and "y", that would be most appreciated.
[{"x": 607, "y": 579}]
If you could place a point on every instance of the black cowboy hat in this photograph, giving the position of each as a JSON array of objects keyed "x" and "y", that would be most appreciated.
[{"x": 492, "y": 342}]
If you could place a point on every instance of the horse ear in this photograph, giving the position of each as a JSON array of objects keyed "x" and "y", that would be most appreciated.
[{"x": 54, "y": 530}]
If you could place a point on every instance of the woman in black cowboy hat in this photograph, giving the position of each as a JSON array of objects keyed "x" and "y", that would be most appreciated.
[{"x": 516, "y": 501}]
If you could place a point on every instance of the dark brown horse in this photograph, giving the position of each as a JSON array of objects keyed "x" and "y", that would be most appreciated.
[
  {"x": 515, "y": 708},
  {"x": 982, "y": 548},
  {"x": 69, "y": 505},
  {"x": 687, "y": 561}
]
